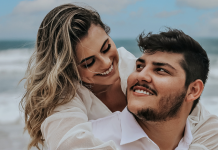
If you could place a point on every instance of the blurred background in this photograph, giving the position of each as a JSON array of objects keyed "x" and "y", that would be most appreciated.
[{"x": 20, "y": 19}]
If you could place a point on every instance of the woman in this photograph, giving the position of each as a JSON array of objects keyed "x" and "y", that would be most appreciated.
[{"x": 73, "y": 49}]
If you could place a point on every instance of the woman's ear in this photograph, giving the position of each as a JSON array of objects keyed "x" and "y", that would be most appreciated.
[{"x": 194, "y": 90}]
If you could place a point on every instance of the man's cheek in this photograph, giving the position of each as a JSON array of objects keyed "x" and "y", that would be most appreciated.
[
  {"x": 131, "y": 79},
  {"x": 134, "y": 105}
]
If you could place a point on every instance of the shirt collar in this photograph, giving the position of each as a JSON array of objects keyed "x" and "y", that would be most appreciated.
[
  {"x": 131, "y": 130},
  {"x": 187, "y": 138}
]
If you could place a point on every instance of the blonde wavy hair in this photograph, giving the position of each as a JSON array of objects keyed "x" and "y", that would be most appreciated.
[{"x": 52, "y": 69}]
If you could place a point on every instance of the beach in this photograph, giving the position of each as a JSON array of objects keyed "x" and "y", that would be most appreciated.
[{"x": 13, "y": 63}]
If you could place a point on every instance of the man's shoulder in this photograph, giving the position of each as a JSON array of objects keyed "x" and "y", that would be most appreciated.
[
  {"x": 204, "y": 128},
  {"x": 201, "y": 117}
]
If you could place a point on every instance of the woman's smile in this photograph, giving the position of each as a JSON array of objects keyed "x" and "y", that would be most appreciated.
[{"x": 110, "y": 71}]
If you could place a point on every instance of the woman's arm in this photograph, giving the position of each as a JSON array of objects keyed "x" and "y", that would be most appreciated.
[{"x": 68, "y": 128}]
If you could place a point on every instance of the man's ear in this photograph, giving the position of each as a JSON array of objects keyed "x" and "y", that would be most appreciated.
[{"x": 194, "y": 90}]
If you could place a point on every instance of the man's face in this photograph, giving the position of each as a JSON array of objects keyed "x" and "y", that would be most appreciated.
[{"x": 156, "y": 90}]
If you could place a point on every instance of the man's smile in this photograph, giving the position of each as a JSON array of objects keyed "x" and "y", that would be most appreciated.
[{"x": 143, "y": 89}]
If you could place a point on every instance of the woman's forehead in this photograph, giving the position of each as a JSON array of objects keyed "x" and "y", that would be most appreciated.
[
  {"x": 91, "y": 43},
  {"x": 96, "y": 35}
]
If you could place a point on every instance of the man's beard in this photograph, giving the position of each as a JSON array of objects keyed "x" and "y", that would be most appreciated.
[{"x": 168, "y": 109}]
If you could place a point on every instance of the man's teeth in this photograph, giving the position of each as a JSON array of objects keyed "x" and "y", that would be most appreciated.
[
  {"x": 144, "y": 92},
  {"x": 108, "y": 71}
]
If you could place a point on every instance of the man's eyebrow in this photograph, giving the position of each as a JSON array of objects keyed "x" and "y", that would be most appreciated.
[
  {"x": 140, "y": 60},
  {"x": 163, "y": 64},
  {"x": 103, "y": 44},
  {"x": 85, "y": 59}
]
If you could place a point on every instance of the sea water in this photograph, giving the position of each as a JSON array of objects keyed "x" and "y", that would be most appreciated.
[{"x": 14, "y": 56}]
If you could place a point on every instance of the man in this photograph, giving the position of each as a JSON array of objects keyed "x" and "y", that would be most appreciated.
[{"x": 162, "y": 95}]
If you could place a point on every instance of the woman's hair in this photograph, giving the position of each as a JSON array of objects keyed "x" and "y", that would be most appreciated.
[{"x": 52, "y": 69}]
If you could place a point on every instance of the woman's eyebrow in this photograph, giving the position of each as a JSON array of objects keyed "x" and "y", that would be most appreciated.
[
  {"x": 103, "y": 44},
  {"x": 85, "y": 59}
]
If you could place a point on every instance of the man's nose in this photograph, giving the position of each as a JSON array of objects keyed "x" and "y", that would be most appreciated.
[{"x": 145, "y": 75}]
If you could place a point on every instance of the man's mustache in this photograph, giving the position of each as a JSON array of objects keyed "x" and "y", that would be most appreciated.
[{"x": 144, "y": 85}]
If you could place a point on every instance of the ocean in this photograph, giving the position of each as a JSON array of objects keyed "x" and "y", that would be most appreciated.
[{"x": 14, "y": 56}]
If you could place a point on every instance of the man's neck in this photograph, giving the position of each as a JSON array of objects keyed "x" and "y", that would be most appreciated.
[{"x": 166, "y": 134}]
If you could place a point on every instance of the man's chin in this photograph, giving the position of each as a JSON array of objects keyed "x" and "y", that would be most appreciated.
[
  {"x": 149, "y": 114},
  {"x": 132, "y": 110}
]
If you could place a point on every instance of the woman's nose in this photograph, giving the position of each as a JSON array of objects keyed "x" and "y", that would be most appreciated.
[{"x": 105, "y": 62}]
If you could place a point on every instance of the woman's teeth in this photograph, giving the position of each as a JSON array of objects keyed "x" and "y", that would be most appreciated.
[
  {"x": 144, "y": 92},
  {"x": 108, "y": 71}
]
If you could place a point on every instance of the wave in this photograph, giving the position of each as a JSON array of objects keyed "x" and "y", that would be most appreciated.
[
  {"x": 9, "y": 108},
  {"x": 210, "y": 103},
  {"x": 14, "y": 60},
  {"x": 213, "y": 73}
]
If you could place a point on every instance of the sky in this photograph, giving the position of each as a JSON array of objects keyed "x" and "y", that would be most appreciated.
[{"x": 20, "y": 19}]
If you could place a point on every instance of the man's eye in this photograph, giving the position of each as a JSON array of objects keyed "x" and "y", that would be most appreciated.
[
  {"x": 162, "y": 70},
  {"x": 108, "y": 48},
  {"x": 139, "y": 66}
]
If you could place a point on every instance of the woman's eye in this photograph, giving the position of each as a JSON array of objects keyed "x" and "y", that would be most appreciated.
[
  {"x": 89, "y": 63},
  {"x": 108, "y": 48}
]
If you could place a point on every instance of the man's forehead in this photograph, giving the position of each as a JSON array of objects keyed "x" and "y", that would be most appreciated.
[{"x": 165, "y": 57}]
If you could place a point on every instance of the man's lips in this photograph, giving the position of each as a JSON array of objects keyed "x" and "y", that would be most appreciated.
[{"x": 143, "y": 87}]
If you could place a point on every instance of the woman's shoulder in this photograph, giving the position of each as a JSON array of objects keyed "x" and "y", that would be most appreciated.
[
  {"x": 126, "y": 61},
  {"x": 126, "y": 66},
  {"x": 123, "y": 53}
]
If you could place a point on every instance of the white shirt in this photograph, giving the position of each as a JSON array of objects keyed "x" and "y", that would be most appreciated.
[
  {"x": 124, "y": 130},
  {"x": 68, "y": 127}
]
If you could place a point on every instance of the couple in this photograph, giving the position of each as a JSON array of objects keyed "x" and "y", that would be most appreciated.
[{"x": 76, "y": 75}]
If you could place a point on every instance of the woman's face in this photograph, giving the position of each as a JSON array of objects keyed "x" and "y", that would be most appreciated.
[{"x": 97, "y": 57}]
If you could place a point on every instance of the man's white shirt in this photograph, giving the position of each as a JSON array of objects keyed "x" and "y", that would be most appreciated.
[{"x": 124, "y": 130}]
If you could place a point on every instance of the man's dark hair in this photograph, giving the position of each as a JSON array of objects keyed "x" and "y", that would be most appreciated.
[{"x": 195, "y": 63}]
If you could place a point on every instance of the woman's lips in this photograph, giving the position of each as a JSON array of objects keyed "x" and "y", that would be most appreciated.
[{"x": 111, "y": 70}]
